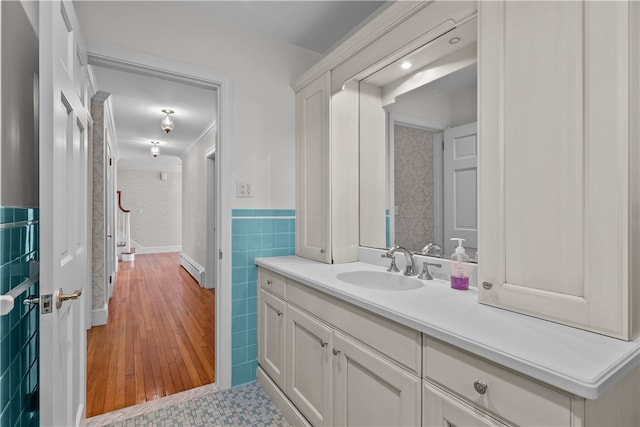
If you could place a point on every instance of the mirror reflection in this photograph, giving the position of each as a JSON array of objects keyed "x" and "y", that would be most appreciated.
[{"x": 418, "y": 148}]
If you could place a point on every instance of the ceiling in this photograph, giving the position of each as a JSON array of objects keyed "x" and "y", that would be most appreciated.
[{"x": 137, "y": 100}]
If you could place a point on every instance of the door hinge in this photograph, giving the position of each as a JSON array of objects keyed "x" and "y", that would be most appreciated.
[
  {"x": 220, "y": 254},
  {"x": 110, "y": 279},
  {"x": 110, "y": 161}
]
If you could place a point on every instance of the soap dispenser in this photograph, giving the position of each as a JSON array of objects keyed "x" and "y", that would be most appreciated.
[{"x": 459, "y": 267}]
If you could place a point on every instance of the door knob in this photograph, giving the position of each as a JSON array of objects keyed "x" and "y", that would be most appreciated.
[
  {"x": 31, "y": 300},
  {"x": 60, "y": 297}
]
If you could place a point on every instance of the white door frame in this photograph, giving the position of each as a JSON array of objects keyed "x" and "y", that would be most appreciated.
[
  {"x": 124, "y": 59},
  {"x": 211, "y": 265}
]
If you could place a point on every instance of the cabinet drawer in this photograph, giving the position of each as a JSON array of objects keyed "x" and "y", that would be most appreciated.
[
  {"x": 516, "y": 399},
  {"x": 399, "y": 343},
  {"x": 272, "y": 282}
]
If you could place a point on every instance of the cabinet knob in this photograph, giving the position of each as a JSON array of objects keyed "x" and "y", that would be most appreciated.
[
  {"x": 279, "y": 313},
  {"x": 269, "y": 282},
  {"x": 336, "y": 352},
  {"x": 480, "y": 386},
  {"x": 323, "y": 343},
  {"x": 487, "y": 285},
  {"x": 322, "y": 251}
]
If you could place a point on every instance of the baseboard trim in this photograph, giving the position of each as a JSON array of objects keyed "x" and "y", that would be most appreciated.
[
  {"x": 157, "y": 249},
  {"x": 100, "y": 316},
  {"x": 281, "y": 401},
  {"x": 193, "y": 268}
]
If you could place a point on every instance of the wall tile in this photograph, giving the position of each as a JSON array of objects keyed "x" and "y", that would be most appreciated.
[
  {"x": 19, "y": 328},
  {"x": 255, "y": 233}
]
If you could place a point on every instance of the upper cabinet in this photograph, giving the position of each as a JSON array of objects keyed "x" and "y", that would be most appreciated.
[
  {"x": 327, "y": 172},
  {"x": 558, "y": 161}
]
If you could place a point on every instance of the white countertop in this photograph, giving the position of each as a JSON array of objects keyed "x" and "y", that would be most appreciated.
[{"x": 580, "y": 362}]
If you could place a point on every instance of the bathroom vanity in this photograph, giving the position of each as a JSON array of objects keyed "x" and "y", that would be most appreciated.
[
  {"x": 550, "y": 334},
  {"x": 335, "y": 351}
]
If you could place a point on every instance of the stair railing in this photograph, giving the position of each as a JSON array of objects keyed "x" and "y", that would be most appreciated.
[{"x": 123, "y": 225}]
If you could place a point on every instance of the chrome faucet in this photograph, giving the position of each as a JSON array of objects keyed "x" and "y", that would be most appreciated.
[
  {"x": 410, "y": 269},
  {"x": 432, "y": 249},
  {"x": 424, "y": 274}
]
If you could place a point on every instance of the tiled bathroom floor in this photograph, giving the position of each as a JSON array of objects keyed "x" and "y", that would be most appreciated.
[{"x": 246, "y": 405}]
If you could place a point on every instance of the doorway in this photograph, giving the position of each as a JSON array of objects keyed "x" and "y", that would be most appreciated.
[{"x": 217, "y": 271}]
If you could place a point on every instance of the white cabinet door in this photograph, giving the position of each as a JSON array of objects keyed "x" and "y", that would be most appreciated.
[
  {"x": 312, "y": 170},
  {"x": 309, "y": 366},
  {"x": 440, "y": 409},
  {"x": 271, "y": 336},
  {"x": 370, "y": 391},
  {"x": 558, "y": 90}
]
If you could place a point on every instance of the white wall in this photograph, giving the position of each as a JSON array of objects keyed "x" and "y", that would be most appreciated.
[
  {"x": 155, "y": 205},
  {"x": 19, "y": 130},
  {"x": 261, "y": 69},
  {"x": 439, "y": 108},
  {"x": 194, "y": 199}
]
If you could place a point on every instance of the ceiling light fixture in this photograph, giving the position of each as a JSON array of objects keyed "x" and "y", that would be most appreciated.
[
  {"x": 167, "y": 123},
  {"x": 405, "y": 65},
  {"x": 155, "y": 150}
]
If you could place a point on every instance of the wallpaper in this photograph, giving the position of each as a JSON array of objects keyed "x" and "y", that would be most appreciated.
[
  {"x": 155, "y": 205},
  {"x": 414, "y": 187},
  {"x": 98, "y": 255}
]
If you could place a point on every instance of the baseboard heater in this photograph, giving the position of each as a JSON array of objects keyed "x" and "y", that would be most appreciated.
[{"x": 193, "y": 268}]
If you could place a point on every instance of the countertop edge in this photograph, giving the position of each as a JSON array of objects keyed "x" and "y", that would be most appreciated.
[{"x": 588, "y": 388}]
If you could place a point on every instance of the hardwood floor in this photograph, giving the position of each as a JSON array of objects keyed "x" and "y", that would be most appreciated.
[{"x": 159, "y": 339}]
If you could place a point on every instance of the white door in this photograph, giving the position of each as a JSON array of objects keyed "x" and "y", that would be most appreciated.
[
  {"x": 309, "y": 366},
  {"x": 460, "y": 188},
  {"x": 312, "y": 144},
  {"x": 369, "y": 391},
  {"x": 110, "y": 215},
  {"x": 558, "y": 161},
  {"x": 271, "y": 336},
  {"x": 63, "y": 214}
]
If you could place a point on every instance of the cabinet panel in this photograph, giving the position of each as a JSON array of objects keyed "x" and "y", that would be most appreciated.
[
  {"x": 271, "y": 336},
  {"x": 312, "y": 170},
  {"x": 272, "y": 282},
  {"x": 516, "y": 398},
  {"x": 309, "y": 365},
  {"x": 398, "y": 342},
  {"x": 554, "y": 114},
  {"x": 369, "y": 391},
  {"x": 440, "y": 409}
]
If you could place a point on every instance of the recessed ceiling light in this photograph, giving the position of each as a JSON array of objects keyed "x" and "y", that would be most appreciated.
[
  {"x": 454, "y": 40},
  {"x": 405, "y": 65}
]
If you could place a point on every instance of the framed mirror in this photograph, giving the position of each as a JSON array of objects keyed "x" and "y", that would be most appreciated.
[{"x": 418, "y": 147}]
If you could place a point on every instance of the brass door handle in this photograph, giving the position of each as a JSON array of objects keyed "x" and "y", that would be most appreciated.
[{"x": 60, "y": 297}]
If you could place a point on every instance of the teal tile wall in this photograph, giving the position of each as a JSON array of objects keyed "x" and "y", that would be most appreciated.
[
  {"x": 255, "y": 233},
  {"x": 18, "y": 329},
  {"x": 387, "y": 220}
]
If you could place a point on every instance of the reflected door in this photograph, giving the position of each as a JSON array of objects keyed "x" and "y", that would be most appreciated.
[{"x": 460, "y": 188}]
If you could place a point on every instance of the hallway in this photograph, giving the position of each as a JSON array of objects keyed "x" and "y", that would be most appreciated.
[{"x": 159, "y": 339}]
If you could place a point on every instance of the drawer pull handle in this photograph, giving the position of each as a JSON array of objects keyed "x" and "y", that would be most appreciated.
[
  {"x": 323, "y": 343},
  {"x": 480, "y": 386},
  {"x": 279, "y": 313},
  {"x": 269, "y": 282},
  {"x": 487, "y": 285},
  {"x": 336, "y": 352}
]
